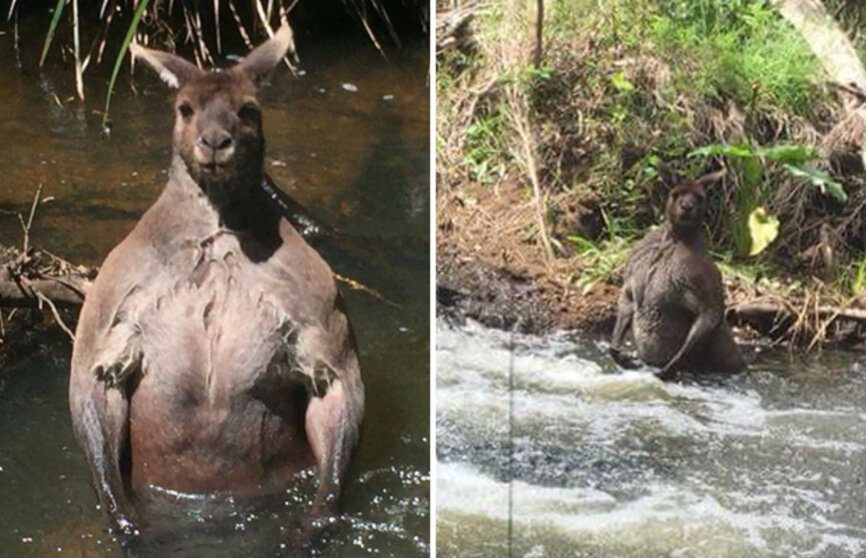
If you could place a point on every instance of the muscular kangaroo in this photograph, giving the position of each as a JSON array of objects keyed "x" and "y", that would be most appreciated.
[
  {"x": 672, "y": 296},
  {"x": 213, "y": 353}
]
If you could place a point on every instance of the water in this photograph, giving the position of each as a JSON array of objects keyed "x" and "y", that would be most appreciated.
[
  {"x": 358, "y": 161},
  {"x": 613, "y": 464}
]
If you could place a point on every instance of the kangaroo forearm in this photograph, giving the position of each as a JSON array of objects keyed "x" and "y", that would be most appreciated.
[
  {"x": 699, "y": 332},
  {"x": 624, "y": 315},
  {"x": 332, "y": 425},
  {"x": 101, "y": 425}
]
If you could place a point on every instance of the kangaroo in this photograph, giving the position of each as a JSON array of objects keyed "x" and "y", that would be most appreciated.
[
  {"x": 213, "y": 353},
  {"x": 672, "y": 297}
]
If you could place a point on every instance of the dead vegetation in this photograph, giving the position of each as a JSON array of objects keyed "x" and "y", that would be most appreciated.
[
  {"x": 37, "y": 289},
  {"x": 610, "y": 125}
]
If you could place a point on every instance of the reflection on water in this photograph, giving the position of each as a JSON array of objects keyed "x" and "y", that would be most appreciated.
[
  {"x": 359, "y": 161},
  {"x": 607, "y": 463}
]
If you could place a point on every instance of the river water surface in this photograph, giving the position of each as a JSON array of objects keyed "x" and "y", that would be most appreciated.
[
  {"x": 605, "y": 463},
  {"x": 349, "y": 139}
]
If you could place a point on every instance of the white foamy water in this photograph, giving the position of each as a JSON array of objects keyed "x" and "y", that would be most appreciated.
[{"x": 608, "y": 463}]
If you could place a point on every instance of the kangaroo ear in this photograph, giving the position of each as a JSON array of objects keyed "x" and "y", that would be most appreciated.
[
  {"x": 173, "y": 70},
  {"x": 708, "y": 179},
  {"x": 265, "y": 57}
]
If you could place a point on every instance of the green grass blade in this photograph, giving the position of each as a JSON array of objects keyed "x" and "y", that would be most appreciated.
[
  {"x": 139, "y": 11},
  {"x": 55, "y": 19}
]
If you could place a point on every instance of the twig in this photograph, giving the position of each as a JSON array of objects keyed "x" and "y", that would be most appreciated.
[
  {"x": 363, "y": 288},
  {"x": 363, "y": 19},
  {"x": 79, "y": 69},
  {"x": 264, "y": 18},
  {"x": 30, "y": 219},
  {"x": 56, "y": 313},
  {"x": 241, "y": 29},
  {"x": 539, "y": 32},
  {"x": 520, "y": 121}
]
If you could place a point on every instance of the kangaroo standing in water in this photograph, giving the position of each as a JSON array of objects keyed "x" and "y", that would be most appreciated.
[
  {"x": 672, "y": 296},
  {"x": 213, "y": 354}
]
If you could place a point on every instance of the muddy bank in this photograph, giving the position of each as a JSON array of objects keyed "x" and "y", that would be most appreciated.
[
  {"x": 467, "y": 286},
  {"x": 494, "y": 274}
]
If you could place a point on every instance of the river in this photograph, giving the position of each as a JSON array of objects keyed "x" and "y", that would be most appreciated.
[{"x": 546, "y": 449}]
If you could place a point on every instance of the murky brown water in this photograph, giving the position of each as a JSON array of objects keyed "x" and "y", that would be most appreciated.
[{"x": 358, "y": 160}]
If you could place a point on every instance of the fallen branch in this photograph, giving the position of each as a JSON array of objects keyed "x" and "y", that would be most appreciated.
[
  {"x": 810, "y": 321},
  {"x": 18, "y": 293},
  {"x": 770, "y": 310},
  {"x": 56, "y": 314}
]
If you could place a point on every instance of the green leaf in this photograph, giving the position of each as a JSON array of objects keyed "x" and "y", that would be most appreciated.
[
  {"x": 582, "y": 244},
  {"x": 859, "y": 283},
  {"x": 763, "y": 228},
  {"x": 753, "y": 174},
  {"x": 55, "y": 19},
  {"x": 621, "y": 83},
  {"x": 133, "y": 25},
  {"x": 820, "y": 179},
  {"x": 792, "y": 154},
  {"x": 716, "y": 149}
]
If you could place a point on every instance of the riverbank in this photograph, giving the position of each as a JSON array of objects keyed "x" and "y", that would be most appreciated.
[{"x": 488, "y": 272}]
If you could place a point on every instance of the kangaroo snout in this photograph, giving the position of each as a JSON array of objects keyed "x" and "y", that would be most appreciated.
[{"x": 214, "y": 147}]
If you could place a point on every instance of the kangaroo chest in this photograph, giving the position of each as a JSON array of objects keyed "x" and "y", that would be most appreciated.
[
  {"x": 662, "y": 316},
  {"x": 215, "y": 329}
]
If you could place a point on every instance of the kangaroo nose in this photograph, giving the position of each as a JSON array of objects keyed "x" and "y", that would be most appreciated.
[
  {"x": 214, "y": 147},
  {"x": 215, "y": 141}
]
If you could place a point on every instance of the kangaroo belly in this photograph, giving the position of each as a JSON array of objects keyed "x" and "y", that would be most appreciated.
[
  {"x": 659, "y": 333},
  {"x": 242, "y": 447},
  {"x": 216, "y": 406}
]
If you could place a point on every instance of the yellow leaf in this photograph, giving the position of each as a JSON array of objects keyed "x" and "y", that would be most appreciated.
[{"x": 763, "y": 229}]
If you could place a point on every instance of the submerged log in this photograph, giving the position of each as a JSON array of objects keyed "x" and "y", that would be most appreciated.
[
  {"x": 28, "y": 278},
  {"x": 805, "y": 325},
  {"x": 38, "y": 279}
]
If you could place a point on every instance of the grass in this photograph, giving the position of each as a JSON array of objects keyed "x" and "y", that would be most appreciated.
[
  {"x": 723, "y": 49},
  {"x": 601, "y": 261},
  {"x": 484, "y": 152},
  {"x": 742, "y": 51}
]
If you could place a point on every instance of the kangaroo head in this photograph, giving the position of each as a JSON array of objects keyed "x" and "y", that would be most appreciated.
[
  {"x": 687, "y": 203},
  {"x": 218, "y": 119}
]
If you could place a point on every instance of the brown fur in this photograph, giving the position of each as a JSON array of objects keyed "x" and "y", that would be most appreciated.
[
  {"x": 213, "y": 353},
  {"x": 673, "y": 298}
]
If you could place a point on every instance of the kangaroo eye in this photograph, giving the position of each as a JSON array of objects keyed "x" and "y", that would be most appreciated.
[
  {"x": 185, "y": 110},
  {"x": 250, "y": 111}
]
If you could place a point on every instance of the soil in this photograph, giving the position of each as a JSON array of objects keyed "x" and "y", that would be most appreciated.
[{"x": 489, "y": 268}]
